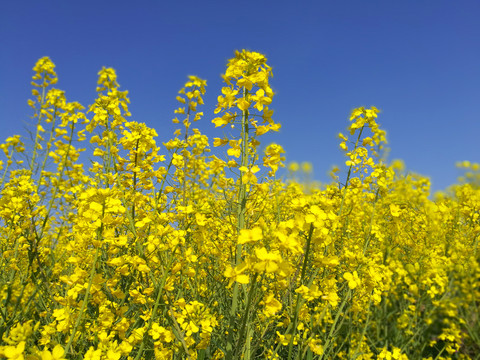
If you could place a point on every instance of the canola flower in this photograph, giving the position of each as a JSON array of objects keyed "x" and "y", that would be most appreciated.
[{"x": 164, "y": 249}]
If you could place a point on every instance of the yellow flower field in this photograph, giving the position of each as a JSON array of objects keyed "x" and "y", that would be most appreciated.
[{"x": 154, "y": 248}]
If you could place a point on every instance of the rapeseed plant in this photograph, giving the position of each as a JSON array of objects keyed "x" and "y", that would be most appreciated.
[{"x": 171, "y": 252}]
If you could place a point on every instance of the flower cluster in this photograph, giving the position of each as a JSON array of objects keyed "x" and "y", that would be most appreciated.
[{"x": 157, "y": 252}]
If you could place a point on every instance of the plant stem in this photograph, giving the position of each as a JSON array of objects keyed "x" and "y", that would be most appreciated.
[
  {"x": 302, "y": 278},
  {"x": 84, "y": 304},
  {"x": 241, "y": 206}
]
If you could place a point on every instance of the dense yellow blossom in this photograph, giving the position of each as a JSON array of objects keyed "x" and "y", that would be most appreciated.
[{"x": 113, "y": 246}]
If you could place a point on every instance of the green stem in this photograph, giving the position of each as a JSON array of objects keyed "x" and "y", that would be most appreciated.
[
  {"x": 349, "y": 173},
  {"x": 277, "y": 203},
  {"x": 84, "y": 304},
  {"x": 5, "y": 171},
  {"x": 42, "y": 102},
  {"x": 367, "y": 322},
  {"x": 241, "y": 206},
  {"x": 155, "y": 307},
  {"x": 302, "y": 277},
  {"x": 247, "y": 311},
  {"x": 334, "y": 325}
]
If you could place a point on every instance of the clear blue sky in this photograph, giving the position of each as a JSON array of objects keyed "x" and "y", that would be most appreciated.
[{"x": 418, "y": 61}]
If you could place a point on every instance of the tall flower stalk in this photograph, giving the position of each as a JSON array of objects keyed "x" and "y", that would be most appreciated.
[{"x": 246, "y": 72}]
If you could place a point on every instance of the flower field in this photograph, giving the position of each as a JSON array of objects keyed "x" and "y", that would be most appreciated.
[{"x": 156, "y": 248}]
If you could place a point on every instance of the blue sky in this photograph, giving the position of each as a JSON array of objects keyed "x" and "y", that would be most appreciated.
[{"x": 418, "y": 61}]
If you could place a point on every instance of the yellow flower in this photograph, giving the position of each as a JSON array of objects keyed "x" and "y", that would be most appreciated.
[
  {"x": 395, "y": 210},
  {"x": 221, "y": 121},
  {"x": 250, "y": 235},
  {"x": 15, "y": 352},
  {"x": 243, "y": 104},
  {"x": 245, "y": 82},
  {"x": 160, "y": 333},
  {"x": 261, "y": 99},
  {"x": 236, "y": 274},
  {"x": 267, "y": 261},
  {"x": 56, "y": 354},
  {"x": 289, "y": 243},
  {"x": 309, "y": 294},
  {"x": 93, "y": 354},
  {"x": 235, "y": 149},
  {"x": 220, "y": 142},
  {"x": 272, "y": 305},
  {"x": 293, "y": 166},
  {"x": 316, "y": 346},
  {"x": 353, "y": 280},
  {"x": 248, "y": 176}
]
